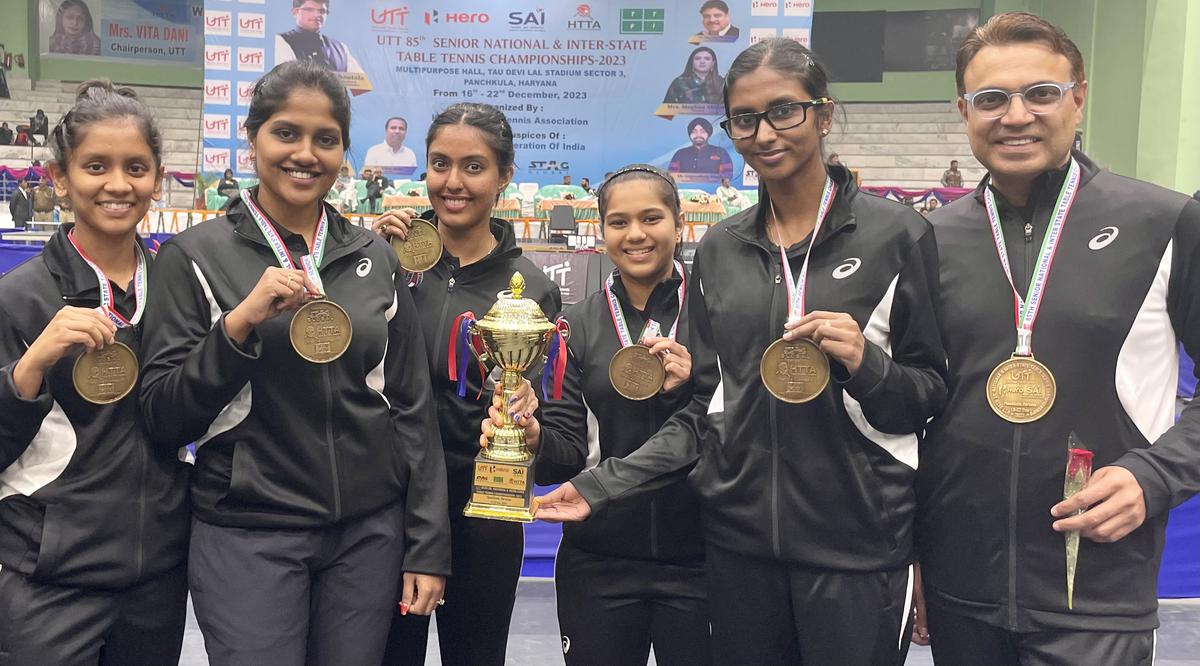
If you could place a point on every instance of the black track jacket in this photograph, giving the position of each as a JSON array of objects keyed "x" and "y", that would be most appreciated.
[
  {"x": 85, "y": 500},
  {"x": 826, "y": 484},
  {"x": 1124, "y": 288},
  {"x": 444, "y": 292},
  {"x": 593, "y": 422},
  {"x": 281, "y": 442}
]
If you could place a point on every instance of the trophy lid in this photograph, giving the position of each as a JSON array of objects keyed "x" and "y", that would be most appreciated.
[{"x": 514, "y": 312}]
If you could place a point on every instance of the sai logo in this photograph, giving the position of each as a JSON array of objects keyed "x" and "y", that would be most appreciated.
[
  {"x": 252, "y": 25},
  {"x": 217, "y": 56},
  {"x": 216, "y": 91},
  {"x": 643, "y": 21},
  {"x": 216, "y": 126},
  {"x": 216, "y": 159},
  {"x": 245, "y": 89},
  {"x": 217, "y": 22},
  {"x": 251, "y": 58},
  {"x": 534, "y": 20}
]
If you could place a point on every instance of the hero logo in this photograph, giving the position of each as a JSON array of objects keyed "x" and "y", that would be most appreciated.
[
  {"x": 245, "y": 90},
  {"x": 847, "y": 268},
  {"x": 216, "y": 159},
  {"x": 764, "y": 7},
  {"x": 217, "y": 56},
  {"x": 252, "y": 25},
  {"x": 390, "y": 18},
  {"x": 217, "y": 22},
  {"x": 250, "y": 58},
  {"x": 1103, "y": 239},
  {"x": 797, "y": 7},
  {"x": 799, "y": 35},
  {"x": 534, "y": 20},
  {"x": 216, "y": 126},
  {"x": 434, "y": 16},
  {"x": 583, "y": 19},
  {"x": 551, "y": 165},
  {"x": 244, "y": 163},
  {"x": 216, "y": 92}
]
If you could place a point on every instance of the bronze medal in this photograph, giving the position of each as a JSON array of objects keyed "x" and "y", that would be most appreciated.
[
  {"x": 1021, "y": 390},
  {"x": 104, "y": 376},
  {"x": 321, "y": 331},
  {"x": 421, "y": 250},
  {"x": 635, "y": 373},
  {"x": 794, "y": 371}
]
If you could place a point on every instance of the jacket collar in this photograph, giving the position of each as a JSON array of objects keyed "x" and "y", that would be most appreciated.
[
  {"x": 74, "y": 278},
  {"x": 662, "y": 297},
  {"x": 1045, "y": 185},
  {"x": 343, "y": 237},
  {"x": 751, "y": 225}
]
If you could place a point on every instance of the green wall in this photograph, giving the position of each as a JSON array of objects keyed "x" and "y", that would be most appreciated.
[{"x": 16, "y": 30}]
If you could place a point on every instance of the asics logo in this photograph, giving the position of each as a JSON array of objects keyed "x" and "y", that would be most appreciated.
[
  {"x": 364, "y": 267},
  {"x": 847, "y": 268},
  {"x": 566, "y": 642},
  {"x": 1103, "y": 239}
]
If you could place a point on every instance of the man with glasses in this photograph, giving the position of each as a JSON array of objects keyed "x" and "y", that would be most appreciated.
[
  {"x": 306, "y": 40},
  {"x": 1065, "y": 291}
]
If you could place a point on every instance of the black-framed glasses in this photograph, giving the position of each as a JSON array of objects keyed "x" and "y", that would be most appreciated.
[
  {"x": 779, "y": 117},
  {"x": 1039, "y": 99}
]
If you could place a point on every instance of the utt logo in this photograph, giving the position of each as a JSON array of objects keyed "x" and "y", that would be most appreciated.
[
  {"x": 250, "y": 58},
  {"x": 583, "y": 19},
  {"x": 252, "y": 25},
  {"x": 433, "y": 16},
  {"x": 216, "y": 159},
  {"x": 244, "y": 163},
  {"x": 217, "y": 22},
  {"x": 245, "y": 90},
  {"x": 216, "y": 126},
  {"x": 217, "y": 56},
  {"x": 535, "y": 20},
  {"x": 241, "y": 128},
  {"x": 393, "y": 17},
  {"x": 216, "y": 92}
]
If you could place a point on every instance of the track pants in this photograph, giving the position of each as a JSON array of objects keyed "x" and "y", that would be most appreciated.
[
  {"x": 768, "y": 612},
  {"x": 44, "y": 624},
  {"x": 961, "y": 640},
  {"x": 485, "y": 558},
  {"x": 287, "y": 597},
  {"x": 611, "y": 609}
]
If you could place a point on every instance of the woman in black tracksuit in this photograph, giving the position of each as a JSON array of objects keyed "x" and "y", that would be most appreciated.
[
  {"x": 634, "y": 576},
  {"x": 469, "y": 151},
  {"x": 316, "y": 475},
  {"x": 807, "y": 506},
  {"x": 93, "y": 520}
]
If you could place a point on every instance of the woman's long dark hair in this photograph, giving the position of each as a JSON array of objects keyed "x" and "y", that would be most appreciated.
[{"x": 713, "y": 83}]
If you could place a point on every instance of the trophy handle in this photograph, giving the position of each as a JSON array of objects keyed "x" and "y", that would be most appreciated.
[{"x": 473, "y": 333}]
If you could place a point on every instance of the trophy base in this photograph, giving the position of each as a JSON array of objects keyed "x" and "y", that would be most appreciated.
[{"x": 501, "y": 491}]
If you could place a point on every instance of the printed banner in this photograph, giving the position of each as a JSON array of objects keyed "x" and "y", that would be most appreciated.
[
  {"x": 587, "y": 87},
  {"x": 127, "y": 30}
]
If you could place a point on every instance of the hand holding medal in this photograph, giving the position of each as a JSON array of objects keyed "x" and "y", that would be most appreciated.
[
  {"x": 836, "y": 333},
  {"x": 636, "y": 371},
  {"x": 415, "y": 241}
]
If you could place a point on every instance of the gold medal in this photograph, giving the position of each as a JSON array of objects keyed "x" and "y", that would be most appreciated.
[
  {"x": 321, "y": 331},
  {"x": 421, "y": 250},
  {"x": 1021, "y": 390},
  {"x": 794, "y": 371},
  {"x": 104, "y": 376},
  {"x": 635, "y": 373}
]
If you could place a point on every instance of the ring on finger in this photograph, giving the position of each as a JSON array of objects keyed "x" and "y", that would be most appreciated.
[{"x": 441, "y": 602}]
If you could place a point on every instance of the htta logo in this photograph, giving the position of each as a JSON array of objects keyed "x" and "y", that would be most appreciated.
[
  {"x": 252, "y": 25},
  {"x": 251, "y": 58},
  {"x": 433, "y": 16},
  {"x": 218, "y": 22},
  {"x": 217, "y": 56},
  {"x": 245, "y": 90},
  {"x": 216, "y": 92},
  {"x": 244, "y": 163},
  {"x": 216, "y": 159},
  {"x": 583, "y": 19},
  {"x": 797, "y": 7},
  {"x": 527, "y": 21},
  {"x": 216, "y": 126},
  {"x": 392, "y": 18},
  {"x": 551, "y": 165}
]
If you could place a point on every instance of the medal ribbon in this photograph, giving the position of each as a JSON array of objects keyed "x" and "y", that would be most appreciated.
[
  {"x": 309, "y": 263},
  {"x": 1026, "y": 310},
  {"x": 556, "y": 361},
  {"x": 796, "y": 292},
  {"x": 459, "y": 350},
  {"x": 652, "y": 328},
  {"x": 106, "y": 294}
]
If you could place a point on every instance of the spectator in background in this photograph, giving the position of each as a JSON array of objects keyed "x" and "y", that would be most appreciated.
[
  {"x": 6, "y": 135},
  {"x": 931, "y": 204},
  {"x": 74, "y": 30},
  {"x": 228, "y": 186},
  {"x": 731, "y": 196},
  {"x": 343, "y": 194},
  {"x": 43, "y": 202},
  {"x": 376, "y": 184},
  {"x": 567, "y": 179},
  {"x": 714, "y": 19},
  {"x": 701, "y": 157},
  {"x": 20, "y": 206},
  {"x": 39, "y": 127},
  {"x": 392, "y": 152},
  {"x": 587, "y": 186},
  {"x": 952, "y": 177}
]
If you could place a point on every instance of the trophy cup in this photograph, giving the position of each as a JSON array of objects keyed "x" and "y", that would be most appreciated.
[{"x": 514, "y": 335}]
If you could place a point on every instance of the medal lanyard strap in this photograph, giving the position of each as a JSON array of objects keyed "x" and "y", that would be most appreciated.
[
  {"x": 310, "y": 263},
  {"x": 106, "y": 293},
  {"x": 1026, "y": 309},
  {"x": 652, "y": 327},
  {"x": 796, "y": 292}
]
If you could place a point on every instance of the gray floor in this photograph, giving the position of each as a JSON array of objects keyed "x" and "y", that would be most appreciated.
[{"x": 534, "y": 636}]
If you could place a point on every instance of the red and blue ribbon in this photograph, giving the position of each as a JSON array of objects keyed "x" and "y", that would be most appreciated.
[
  {"x": 555, "y": 369},
  {"x": 461, "y": 343}
]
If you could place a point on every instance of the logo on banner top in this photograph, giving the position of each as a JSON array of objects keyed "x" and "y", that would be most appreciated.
[
  {"x": 217, "y": 56},
  {"x": 802, "y": 35},
  {"x": 434, "y": 16},
  {"x": 241, "y": 128},
  {"x": 643, "y": 20},
  {"x": 391, "y": 18},
  {"x": 218, "y": 22},
  {"x": 216, "y": 159},
  {"x": 548, "y": 165},
  {"x": 797, "y": 7},
  {"x": 244, "y": 163},
  {"x": 761, "y": 34},
  {"x": 251, "y": 58},
  {"x": 216, "y": 91},
  {"x": 245, "y": 90},
  {"x": 252, "y": 25},
  {"x": 764, "y": 7},
  {"x": 534, "y": 21},
  {"x": 583, "y": 19},
  {"x": 216, "y": 126}
]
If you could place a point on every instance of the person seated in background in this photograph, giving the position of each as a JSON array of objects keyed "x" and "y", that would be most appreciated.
[
  {"x": 376, "y": 184},
  {"x": 20, "y": 206},
  {"x": 931, "y": 204},
  {"x": 6, "y": 135},
  {"x": 228, "y": 186},
  {"x": 343, "y": 194},
  {"x": 952, "y": 177},
  {"x": 39, "y": 127},
  {"x": 587, "y": 186},
  {"x": 43, "y": 202},
  {"x": 567, "y": 179},
  {"x": 731, "y": 196}
]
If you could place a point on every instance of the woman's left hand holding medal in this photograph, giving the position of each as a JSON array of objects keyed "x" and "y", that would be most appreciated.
[
  {"x": 836, "y": 333},
  {"x": 394, "y": 223},
  {"x": 676, "y": 358},
  {"x": 278, "y": 290},
  {"x": 521, "y": 408}
]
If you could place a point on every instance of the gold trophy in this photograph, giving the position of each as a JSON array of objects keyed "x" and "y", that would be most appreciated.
[{"x": 514, "y": 335}]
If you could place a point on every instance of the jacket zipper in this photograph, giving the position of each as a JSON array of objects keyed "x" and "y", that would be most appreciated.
[
  {"x": 775, "y": 546},
  {"x": 441, "y": 335},
  {"x": 141, "y": 532},
  {"x": 333, "y": 465},
  {"x": 653, "y": 503},
  {"x": 1014, "y": 472}
]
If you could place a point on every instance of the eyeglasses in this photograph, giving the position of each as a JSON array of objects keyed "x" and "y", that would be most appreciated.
[
  {"x": 1039, "y": 99},
  {"x": 315, "y": 10},
  {"x": 779, "y": 117}
]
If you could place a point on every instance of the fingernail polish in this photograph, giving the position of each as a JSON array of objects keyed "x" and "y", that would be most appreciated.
[{"x": 403, "y": 608}]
